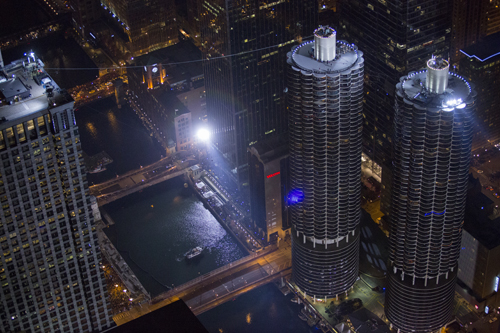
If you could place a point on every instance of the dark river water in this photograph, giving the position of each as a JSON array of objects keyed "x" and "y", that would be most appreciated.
[
  {"x": 261, "y": 310},
  {"x": 156, "y": 227},
  {"x": 118, "y": 132}
]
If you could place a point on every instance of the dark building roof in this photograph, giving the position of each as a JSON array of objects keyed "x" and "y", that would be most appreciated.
[
  {"x": 366, "y": 321},
  {"x": 487, "y": 49},
  {"x": 271, "y": 148},
  {"x": 175, "y": 317},
  {"x": 478, "y": 224},
  {"x": 184, "y": 52}
]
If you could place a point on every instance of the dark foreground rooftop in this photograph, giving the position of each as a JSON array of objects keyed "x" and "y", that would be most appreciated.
[{"x": 175, "y": 318}]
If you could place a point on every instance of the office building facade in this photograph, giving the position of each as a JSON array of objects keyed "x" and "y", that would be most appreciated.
[
  {"x": 399, "y": 36},
  {"x": 84, "y": 13},
  {"x": 149, "y": 25},
  {"x": 183, "y": 131},
  {"x": 244, "y": 45},
  {"x": 478, "y": 265},
  {"x": 433, "y": 125},
  {"x": 468, "y": 25},
  {"x": 268, "y": 182},
  {"x": 50, "y": 273},
  {"x": 324, "y": 98},
  {"x": 481, "y": 65}
]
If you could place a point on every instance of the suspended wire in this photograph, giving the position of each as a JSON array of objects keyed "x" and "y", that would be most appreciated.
[{"x": 166, "y": 63}]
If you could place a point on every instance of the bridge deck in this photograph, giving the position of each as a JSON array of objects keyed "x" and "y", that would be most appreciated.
[
  {"x": 221, "y": 285},
  {"x": 135, "y": 180}
]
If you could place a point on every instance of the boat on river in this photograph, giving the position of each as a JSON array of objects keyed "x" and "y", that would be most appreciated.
[{"x": 194, "y": 252}]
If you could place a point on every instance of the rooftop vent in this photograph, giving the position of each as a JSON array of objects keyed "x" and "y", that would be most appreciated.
[
  {"x": 325, "y": 40},
  {"x": 437, "y": 75}
]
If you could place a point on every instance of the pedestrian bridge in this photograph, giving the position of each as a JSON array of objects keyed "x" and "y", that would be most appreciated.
[{"x": 221, "y": 285}]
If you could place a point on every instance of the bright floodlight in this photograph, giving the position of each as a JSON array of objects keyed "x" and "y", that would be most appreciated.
[{"x": 203, "y": 134}]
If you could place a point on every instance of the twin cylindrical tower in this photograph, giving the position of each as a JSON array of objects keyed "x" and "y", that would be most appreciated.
[
  {"x": 432, "y": 149},
  {"x": 325, "y": 121}
]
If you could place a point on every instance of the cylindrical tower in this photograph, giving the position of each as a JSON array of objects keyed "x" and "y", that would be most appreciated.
[
  {"x": 325, "y": 119},
  {"x": 432, "y": 148},
  {"x": 325, "y": 44},
  {"x": 437, "y": 75}
]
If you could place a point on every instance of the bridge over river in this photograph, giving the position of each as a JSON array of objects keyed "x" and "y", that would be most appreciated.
[
  {"x": 136, "y": 180},
  {"x": 222, "y": 284}
]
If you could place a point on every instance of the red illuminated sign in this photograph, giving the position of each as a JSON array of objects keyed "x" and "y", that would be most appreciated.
[{"x": 274, "y": 174}]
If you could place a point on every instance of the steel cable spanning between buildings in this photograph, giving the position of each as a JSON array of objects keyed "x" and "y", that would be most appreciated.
[{"x": 169, "y": 63}]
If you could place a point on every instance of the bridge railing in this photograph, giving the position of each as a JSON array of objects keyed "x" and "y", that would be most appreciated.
[{"x": 204, "y": 277}]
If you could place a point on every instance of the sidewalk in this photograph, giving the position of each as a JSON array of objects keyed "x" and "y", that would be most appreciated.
[{"x": 120, "y": 266}]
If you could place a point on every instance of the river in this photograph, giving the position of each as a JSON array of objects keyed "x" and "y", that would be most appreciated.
[
  {"x": 264, "y": 309},
  {"x": 118, "y": 132},
  {"x": 156, "y": 227}
]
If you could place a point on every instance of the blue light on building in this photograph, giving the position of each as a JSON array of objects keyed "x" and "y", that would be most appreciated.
[{"x": 295, "y": 196}]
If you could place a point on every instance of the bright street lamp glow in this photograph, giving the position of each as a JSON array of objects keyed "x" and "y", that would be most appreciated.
[{"x": 203, "y": 134}]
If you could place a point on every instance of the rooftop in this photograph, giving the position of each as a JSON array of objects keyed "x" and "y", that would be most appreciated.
[
  {"x": 485, "y": 230},
  {"x": 457, "y": 93},
  {"x": 271, "y": 148},
  {"x": 175, "y": 317},
  {"x": 25, "y": 88},
  {"x": 302, "y": 57},
  {"x": 186, "y": 56},
  {"x": 487, "y": 49}
]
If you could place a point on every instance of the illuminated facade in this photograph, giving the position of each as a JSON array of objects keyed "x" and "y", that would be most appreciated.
[
  {"x": 149, "y": 24},
  {"x": 245, "y": 92},
  {"x": 397, "y": 35},
  {"x": 50, "y": 273},
  {"x": 183, "y": 131},
  {"x": 157, "y": 78},
  {"x": 324, "y": 99},
  {"x": 433, "y": 124}
]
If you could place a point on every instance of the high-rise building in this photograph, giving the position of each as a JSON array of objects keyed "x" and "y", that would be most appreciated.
[
  {"x": 481, "y": 65},
  {"x": 478, "y": 265},
  {"x": 84, "y": 13},
  {"x": 325, "y": 91},
  {"x": 472, "y": 21},
  {"x": 493, "y": 17},
  {"x": 155, "y": 80},
  {"x": 468, "y": 25},
  {"x": 244, "y": 44},
  {"x": 183, "y": 131},
  {"x": 268, "y": 177},
  {"x": 433, "y": 124},
  {"x": 399, "y": 36},
  {"x": 149, "y": 25},
  {"x": 50, "y": 273}
]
